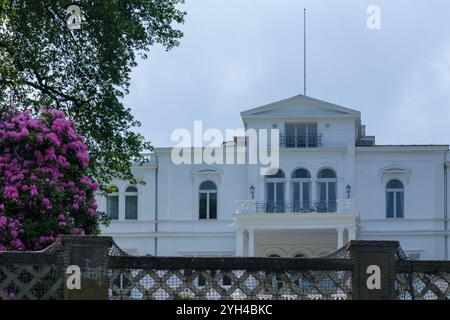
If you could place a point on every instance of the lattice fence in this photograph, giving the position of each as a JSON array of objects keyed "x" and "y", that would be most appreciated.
[
  {"x": 31, "y": 282},
  {"x": 109, "y": 273},
  {"x": 423, "y": 286},
  {"x": 156, "y": 278},
  {"x": 31, "y": 275},
  {"x": 229, "y": 285}
]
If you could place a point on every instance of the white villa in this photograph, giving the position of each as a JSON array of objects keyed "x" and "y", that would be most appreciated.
[{"x": 335, "y": 184}]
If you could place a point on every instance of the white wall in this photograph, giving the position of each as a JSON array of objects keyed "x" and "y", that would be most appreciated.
[
  {"x": 421, "y": 229},
  {"x": 135, "y": 236},
  {"x": 180, "y": 232}
]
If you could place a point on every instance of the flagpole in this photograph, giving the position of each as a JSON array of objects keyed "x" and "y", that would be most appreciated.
[{"x": 304, "y": 51}]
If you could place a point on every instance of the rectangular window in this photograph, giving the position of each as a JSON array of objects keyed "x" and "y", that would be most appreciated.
[
  {"x": 203, "y": 206},
  {"x": 290, "y": 136},
  {"x": 399, "y": 204},
  {"x": 302, "y": 135},
  {"x": 280, "y": 192},
  {"x": 331, "y": 205},
  {"x": 112, "y": 207},
  {"x": 213, "y": 205},
  {"x": 311, "y": 135},
  {"x": 323, "y": 191},
  {"x": 414, "y": 256},
  {"x": 131, "y": 207},
  {"x": 306, "y": 194},
  {"x": 390, "y": 204},
  {"x": 296, "y": 198},
  {"x": 331, "y": 191},
  {"x": 270, "y": 192},
  {"x": 280, "y": 197}
]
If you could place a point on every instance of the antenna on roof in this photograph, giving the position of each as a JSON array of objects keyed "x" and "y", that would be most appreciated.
[{"x": 304, "y": 51}]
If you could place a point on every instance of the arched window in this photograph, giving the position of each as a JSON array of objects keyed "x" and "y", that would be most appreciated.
[
  {"x": 207, "y": 201},
  {"x": 327, "y": 190},
  {"x": 301, "y": 190},
  {"x": 275, "y": 192},
  {"x": 274, "y": 255},
  {"x": 395, "y": 199},
  {"x": 327, "y": 174},
  {"x": 112, "y": 203},
  {"x": 299, "y": 255},
  {"x": 131, "y": 203}
]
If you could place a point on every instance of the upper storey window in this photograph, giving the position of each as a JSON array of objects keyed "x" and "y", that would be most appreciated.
[
  {"x": 131, "y": 203},
  {"x": 300, "y": 135},
  {"x": 275, "y": 192},
  {"x": 112, "y": 203},
  {"x": 395, "y": 199},
  {"x": 327, "y": 189},
  {"x": 207, "y": 201},
  {"x": 301, "y": 187}
]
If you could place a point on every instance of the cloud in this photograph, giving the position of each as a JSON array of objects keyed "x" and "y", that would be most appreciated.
[
  {"x": 421, "y": 112},
  {"x": 442, "y": 67}
]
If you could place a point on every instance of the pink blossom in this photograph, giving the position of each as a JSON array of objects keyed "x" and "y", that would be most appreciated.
[{"x": 43, "y": 163}]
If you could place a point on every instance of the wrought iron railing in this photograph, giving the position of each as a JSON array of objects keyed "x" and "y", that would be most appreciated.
[
  {"x": 300, "y": 141},
  {"x": 297, "y": 207}
]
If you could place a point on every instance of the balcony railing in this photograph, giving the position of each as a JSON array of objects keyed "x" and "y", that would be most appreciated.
[
  {"x": 296, "y": 207},
  {"x": 343, "y": 206},
  {"x": 300, "y": 141}
]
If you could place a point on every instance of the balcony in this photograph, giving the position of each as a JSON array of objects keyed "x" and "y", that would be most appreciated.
[
  {"x": 246, "y": 207},
  {"x": 296, "y": 207},
  {"x": 300, "y": 141}
]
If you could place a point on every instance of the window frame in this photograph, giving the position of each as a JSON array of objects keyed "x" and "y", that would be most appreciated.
[
  {"x": 394, "y": 191},
  {"x": 208, "y": 193},
  {"x": 132, "y": 194},
  {"x": 275, "y": 181},
  {"x": 309, "y": 139},
  {"x": 301, "y": 182},
  {"x": 327, "y": 182},
  {"x": 115, "y": 194}
]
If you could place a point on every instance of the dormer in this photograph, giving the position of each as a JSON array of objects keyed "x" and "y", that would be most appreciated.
[{"x": 306, "y": 122}]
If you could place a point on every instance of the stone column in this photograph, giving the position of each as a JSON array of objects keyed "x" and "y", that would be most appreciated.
[
  {"x": 374, "y": 271},
  {"x": 288, "y": 196},
  {"x": 251, "y": 242},
  {"x": 340, "y": 237},
  {"x": 240, "y": 242},
  {"x": 351, "y": 233},
  {"x": 314, "y": 193},
  {"x": 90, "y": 256}
]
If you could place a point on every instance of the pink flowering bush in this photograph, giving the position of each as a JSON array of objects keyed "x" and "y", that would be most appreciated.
[{"x": 44, "y": 190}]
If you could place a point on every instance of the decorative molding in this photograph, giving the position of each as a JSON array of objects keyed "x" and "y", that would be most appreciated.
[
  {"x": 395, "y": 171},
  {"x": 205, "y": 174},
  {"x": 402, "y": 148}
]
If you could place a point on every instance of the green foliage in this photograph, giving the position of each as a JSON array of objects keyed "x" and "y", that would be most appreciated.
[{"x": 85, "y": 72}]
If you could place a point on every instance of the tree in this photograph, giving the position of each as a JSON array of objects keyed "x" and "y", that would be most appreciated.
[
  {"x": 44, "y": 191},
  {"x": 84, "y": 73}
]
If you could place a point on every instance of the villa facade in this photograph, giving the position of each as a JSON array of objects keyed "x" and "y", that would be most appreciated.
[{"x": 334, "y": 184}]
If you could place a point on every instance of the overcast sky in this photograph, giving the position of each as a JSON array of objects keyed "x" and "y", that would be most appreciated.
[{"x": 240, "y": 54}]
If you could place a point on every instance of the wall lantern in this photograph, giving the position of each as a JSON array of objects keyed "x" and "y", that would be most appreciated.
[
  {"x": 348, "y": 189},
  {"x": 252, "y": 192}
]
